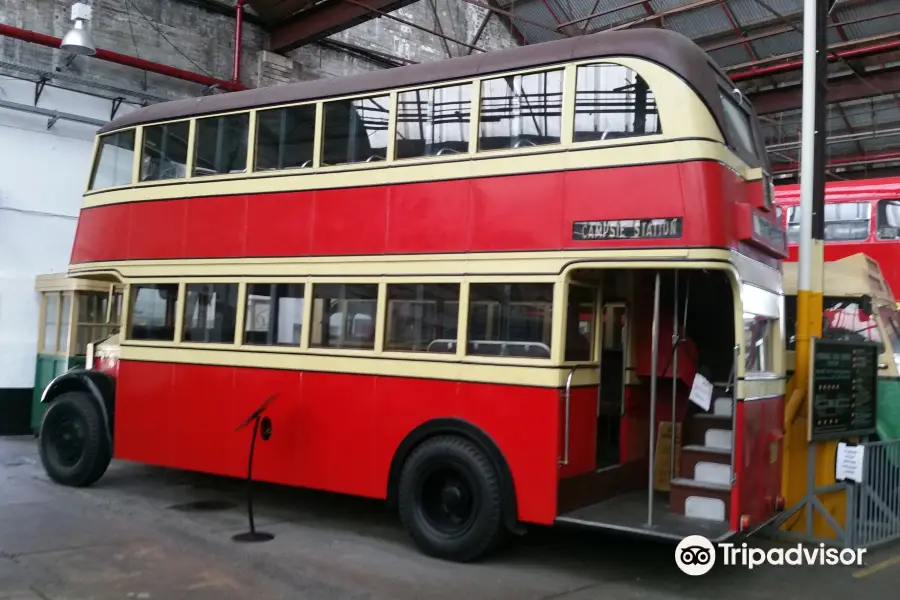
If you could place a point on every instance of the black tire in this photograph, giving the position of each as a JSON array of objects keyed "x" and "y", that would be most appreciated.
[
  {"x": 450, "y": 500},
  {"x": 73, "y": 445}
]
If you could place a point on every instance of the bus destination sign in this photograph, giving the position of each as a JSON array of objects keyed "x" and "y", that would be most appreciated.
[
  {"x": 628, "y": 229},
  {"x": 842, "y": 389}
]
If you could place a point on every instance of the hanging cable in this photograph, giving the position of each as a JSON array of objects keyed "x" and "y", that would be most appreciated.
[{"x": 163, "y": 36}]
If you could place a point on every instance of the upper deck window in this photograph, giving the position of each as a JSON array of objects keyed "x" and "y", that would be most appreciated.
[
  {"x": 222, "y": 145},
  {"x": 521, "y": 110},
  {"x": 888, "y": 220},
  {"x": 844, "y": 222},
  {"x": 612, "y": 101},
  {"x": 284, "y": 137},
  {"x": 434, "y": 121},
  {"x": 165, "y": 151},
  {"x": 115, "y": 160},
  {"x": 355, "y": 130},
  {"x": 737, "y": 123}
]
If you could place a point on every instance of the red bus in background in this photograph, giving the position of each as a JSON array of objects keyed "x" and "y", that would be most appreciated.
[
  {"x": 461, "y": 279},
  {"x": 860, "y": 216}
]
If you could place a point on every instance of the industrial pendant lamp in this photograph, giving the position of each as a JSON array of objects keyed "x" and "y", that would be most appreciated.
[{"x": 78, "y": 40}]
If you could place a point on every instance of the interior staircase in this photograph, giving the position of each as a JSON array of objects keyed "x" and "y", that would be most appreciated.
[{"x": 703, "y": 489}]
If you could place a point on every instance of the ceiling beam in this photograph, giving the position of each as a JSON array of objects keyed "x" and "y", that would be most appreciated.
[
  {"x": 848, "y": 161},
  {"x": 840, "y": 89},
  {"x": 325, "y": 19},
  {"x": 784, "y": 63}
]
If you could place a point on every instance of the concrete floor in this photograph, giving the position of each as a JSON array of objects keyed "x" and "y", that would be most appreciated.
[{"x": 127, "y": 537}]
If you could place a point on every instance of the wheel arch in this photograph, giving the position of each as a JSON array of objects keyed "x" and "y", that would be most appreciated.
[
  {"x": 100, "y": 387},
  {"x": 471, "y": 432}
]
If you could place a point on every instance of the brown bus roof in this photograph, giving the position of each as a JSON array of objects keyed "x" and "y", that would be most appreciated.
[{"x": 667, "y": 48}]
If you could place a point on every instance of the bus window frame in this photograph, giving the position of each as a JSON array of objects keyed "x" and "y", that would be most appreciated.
[
  {"x": 195, "y": 144},
  {"x": 872, "y": 219},
  {"x": 474, "y": 90},
  {"x": 565, "y": 73},
  {"x": 96, "y": 156},
  {"x": 877, "y": 204},
  {"x": 252, "y": 151},
  {"x": 680, "y": 96},
  {"x": 760, "y": 303},
  {"x": 760, "y": 156},
  {"x": 137, "y": 177},
  {"x": 597, "y": 326}
]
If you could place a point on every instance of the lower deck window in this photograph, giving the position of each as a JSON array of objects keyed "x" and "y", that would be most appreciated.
[
  {"x": 274, "y": 314},
  {"x": 153, "y": 312},
  {"x": 344, "y": 316},
  {"x": 422, "y": 317},
  {"x": 512, "y": 319},
  {"x": 759, "y": 343},
  {"x": 580, "y": 324},
  {"x": 210, "y": 313}
]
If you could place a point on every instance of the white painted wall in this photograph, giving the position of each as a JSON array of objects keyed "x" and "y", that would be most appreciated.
[{"x": 42, "y": 177}]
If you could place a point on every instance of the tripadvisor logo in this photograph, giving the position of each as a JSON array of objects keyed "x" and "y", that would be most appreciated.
[{"x": 695, "y": 555}]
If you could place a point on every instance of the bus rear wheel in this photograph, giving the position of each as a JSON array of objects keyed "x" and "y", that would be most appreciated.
[
  {"x": 73, "y": 447},
  {"x": 449, "y": 499}
]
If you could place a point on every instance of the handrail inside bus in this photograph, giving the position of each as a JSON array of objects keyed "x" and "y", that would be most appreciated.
[{"x": 528, "y": 349}]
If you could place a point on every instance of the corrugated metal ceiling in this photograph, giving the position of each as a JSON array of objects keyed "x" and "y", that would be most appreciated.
[{"x": 774, "y": 30}]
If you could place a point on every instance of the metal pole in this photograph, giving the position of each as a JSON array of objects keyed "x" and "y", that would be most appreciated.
[
  {"x": 674, "y": 381},
  {"x": 807, "y": 151},
  {"x": 654, "y": 365},
  {"x": 238, "y": 40},
  {"x": 812, "y": 230}
]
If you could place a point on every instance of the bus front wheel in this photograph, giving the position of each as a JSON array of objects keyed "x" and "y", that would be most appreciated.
[
  {"x": 73, "y": 447},
  {"x": 450, "y": 499}
]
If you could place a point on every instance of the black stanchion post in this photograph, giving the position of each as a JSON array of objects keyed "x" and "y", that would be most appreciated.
[{"x": 253, "y": 535}]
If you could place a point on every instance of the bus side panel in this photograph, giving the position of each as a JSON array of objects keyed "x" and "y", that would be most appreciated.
[
  {"x": 472, "y": 215},
  {"x": 760, "y": 469},
  {"x": 582, "y": 431},
  {"x": 333, "y": 432}
]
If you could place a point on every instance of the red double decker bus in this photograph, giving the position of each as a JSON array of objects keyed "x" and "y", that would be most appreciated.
[
  {"x": 861, "y": 216},
  {"x": 482, "y": 290}
]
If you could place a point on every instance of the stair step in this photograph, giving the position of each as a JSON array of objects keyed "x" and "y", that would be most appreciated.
[
  {"x": 715, "y": 418},
  {"x": 706, "y": 449},
  {"x": 710, "y": 509},
  {"x": 722, "y": 406},
  {"x": 718, "y": 438},
  {"x": 710, "y": 472},
  {"x": 701, "y": 485},
  {"x": 693, "y": 456},
  {"x": 700, "y": 499}
]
